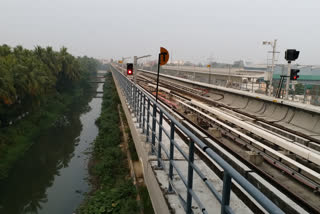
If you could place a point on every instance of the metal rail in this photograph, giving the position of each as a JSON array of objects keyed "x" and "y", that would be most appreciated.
[{"x": 137, "y": 99}]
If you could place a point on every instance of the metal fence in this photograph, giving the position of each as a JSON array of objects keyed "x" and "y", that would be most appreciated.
[
  {"x": 302, "y": 92},
  {"x": 150, "y": 116}
]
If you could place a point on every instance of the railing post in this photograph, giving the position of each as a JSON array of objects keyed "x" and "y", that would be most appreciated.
[
  {"x": 160, "y": 139},
  {"x": 226, "y": 191},
  {"x": 148, "y": 115},
  {"x": 131, "y": 92},
  {"x": 134, "y": 100},
  {"x": 140, "y": 108},
  {"x": 127, "y": 91},
  {"x": 190, "y": 176},
  {"x": 144, "y": 113},
  {"x": 171, "y": 155},
  {"x": 154, "y": 117}
]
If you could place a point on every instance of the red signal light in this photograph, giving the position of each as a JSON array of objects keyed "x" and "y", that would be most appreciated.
[
  {"x": 129, "y": 68},
  {"x": 294, "y": 74}
]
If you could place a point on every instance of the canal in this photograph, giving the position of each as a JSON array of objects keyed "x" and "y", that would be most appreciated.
[{"x": 52, "y": 177}]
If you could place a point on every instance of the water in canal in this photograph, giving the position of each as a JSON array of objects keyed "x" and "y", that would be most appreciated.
[{"x": 52, "y": 177}]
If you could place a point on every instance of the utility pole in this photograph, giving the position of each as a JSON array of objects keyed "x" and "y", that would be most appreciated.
[
  {"x": 274, "y": 46},
  {"x": 272, "y": 65}
]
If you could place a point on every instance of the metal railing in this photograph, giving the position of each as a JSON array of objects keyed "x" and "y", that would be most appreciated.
[
  {"x": 140, "y": 104},
  {"x": 303, "y": 92}
]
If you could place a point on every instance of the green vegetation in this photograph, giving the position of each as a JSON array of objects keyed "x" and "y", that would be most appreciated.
[
  {"x": 27, "y": 77},
  {"x": 145, "y": 201},
  {"x": 36, "y": 88},
  {"x": 132, "y": 149},
  {"x": 113, "y": 191}
]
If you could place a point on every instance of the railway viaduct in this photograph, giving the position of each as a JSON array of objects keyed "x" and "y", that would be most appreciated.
[{"x": 189, "y": 147}]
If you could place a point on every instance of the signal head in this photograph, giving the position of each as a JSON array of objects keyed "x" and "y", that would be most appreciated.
[
  {"x": 129, "y": 68},
  {"x": 294, "y": 74},
  {"x": 291, "y": 54}
]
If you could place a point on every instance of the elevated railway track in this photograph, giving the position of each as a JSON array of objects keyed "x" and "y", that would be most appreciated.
[
  {"x": 282, "y": 162},
  {"x": 291, "y": 160}
]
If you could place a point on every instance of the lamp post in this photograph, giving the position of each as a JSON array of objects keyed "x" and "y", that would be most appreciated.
[{"x": 273, "y": 45}]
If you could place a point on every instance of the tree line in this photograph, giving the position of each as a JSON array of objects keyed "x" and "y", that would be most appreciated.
[{"x": 28, "y": 76}]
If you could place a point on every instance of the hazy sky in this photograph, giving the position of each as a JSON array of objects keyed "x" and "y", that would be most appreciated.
[{"x": 226, "y": 30}]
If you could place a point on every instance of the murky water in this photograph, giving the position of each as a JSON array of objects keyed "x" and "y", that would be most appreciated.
[{"x": 52, "y": 177}]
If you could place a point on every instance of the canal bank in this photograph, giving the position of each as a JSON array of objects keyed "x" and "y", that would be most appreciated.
[
  {"x": 114, "y": 190},
  {"x": 52, "y": 175}
]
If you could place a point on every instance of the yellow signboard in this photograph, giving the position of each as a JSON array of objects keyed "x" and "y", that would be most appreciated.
[
  {"x": 120, "y": 61},
  {"x": 208, "y": 66}
]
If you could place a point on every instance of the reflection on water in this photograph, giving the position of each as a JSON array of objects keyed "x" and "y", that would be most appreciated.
[{"x": 51, "y": 178}]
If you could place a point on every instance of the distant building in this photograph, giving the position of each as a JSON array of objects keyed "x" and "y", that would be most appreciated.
[{"x": 238, "y": 64}]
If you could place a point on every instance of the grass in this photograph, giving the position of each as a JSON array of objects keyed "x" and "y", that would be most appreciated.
[{"x": 113, "y": 190}]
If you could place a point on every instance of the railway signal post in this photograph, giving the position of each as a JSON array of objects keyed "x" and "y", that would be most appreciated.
[
  {"x": 290, "y": 55},
  {"x": 162, "y": 60}
]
